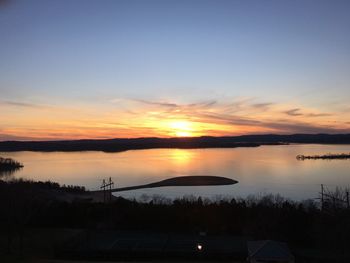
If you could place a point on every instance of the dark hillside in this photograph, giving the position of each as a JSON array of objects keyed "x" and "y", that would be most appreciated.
[{"x": 115, "y": 145}]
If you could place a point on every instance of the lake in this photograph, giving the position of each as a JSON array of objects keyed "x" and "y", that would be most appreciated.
[{"x": 259, "y": 170}]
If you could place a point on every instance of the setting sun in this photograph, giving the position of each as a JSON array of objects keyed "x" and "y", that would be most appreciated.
[{"x": 182, "y": 128}]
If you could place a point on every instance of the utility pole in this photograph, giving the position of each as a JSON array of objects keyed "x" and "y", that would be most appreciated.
[
  {"x": 103, "y": 186},
  {"x": 107, "y": 186},
  {"x": 322, "y": 197},
  {"x": 110, "y": 184}
]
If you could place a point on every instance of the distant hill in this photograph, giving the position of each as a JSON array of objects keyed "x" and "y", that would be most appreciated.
[{"x": 115, "y": 145}]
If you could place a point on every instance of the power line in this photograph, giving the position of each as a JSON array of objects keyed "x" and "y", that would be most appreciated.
[{"x": 107, "y": 189}]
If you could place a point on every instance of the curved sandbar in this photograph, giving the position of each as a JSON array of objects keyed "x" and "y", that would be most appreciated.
[{"x": 194, "y": 180}]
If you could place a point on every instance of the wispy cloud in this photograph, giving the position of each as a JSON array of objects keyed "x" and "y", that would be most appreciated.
[
  {"x": 250, "y": 115},
  {"x": 298, "y": 112},
  {"x": 150, "y": 118},
  {"x": 203, "y": 104},
  {"x": 161, "y": 104},
  {"x": 22, "y": 104},
  {"x": 293, "y": 112},
  {"x": 262, "y": 106},
  {"x": 318, "y": 114},
  {"x": 278, "y": 125},
  {"x": 227, "y": 119},
  {"x": 9, "y": 137}
]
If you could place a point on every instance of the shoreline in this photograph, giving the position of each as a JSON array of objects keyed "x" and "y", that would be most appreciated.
[{"x": 119, "y": 145}]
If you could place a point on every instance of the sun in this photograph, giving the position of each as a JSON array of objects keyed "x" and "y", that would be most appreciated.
[
  {"x": 181, "y": 125},
  {"x": 182, "y": 128}
]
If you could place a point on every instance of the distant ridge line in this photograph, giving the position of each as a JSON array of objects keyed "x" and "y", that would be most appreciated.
[{"x": 123, "y": 144}]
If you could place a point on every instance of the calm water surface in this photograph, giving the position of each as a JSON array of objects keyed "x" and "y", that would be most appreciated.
[{"x": 265, "y": 169}]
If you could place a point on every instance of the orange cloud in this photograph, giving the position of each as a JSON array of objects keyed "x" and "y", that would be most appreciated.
[{"x": 127, "y": 118}]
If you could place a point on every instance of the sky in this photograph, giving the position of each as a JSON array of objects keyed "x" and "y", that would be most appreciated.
[{"x": 72, "y": 69}]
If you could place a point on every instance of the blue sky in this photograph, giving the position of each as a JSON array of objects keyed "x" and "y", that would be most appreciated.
[{"x": 90, "y": 54}]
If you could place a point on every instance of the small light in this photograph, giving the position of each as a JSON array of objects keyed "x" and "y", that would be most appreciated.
[{"x": 199, "y": 247}]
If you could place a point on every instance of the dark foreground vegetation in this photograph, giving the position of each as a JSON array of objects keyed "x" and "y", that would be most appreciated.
[
  {"x": 329, "y": 156},
  {"x": 115, "y": 145},
  {"x": 35, "y": 223}
]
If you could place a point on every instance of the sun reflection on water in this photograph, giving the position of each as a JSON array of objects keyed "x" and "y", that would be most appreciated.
[{"x": 181, "y": 156}]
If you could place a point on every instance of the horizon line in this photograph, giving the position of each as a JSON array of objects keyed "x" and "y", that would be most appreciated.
[{"x": 173, "y": 137}]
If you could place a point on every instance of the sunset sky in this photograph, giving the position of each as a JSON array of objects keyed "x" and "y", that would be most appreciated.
[{"x": 73, "y": 69}]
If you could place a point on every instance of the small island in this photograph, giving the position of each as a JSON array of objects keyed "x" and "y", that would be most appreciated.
[
  {"x": 8, "y": 165},
  {"x": 328, "y": 156}
]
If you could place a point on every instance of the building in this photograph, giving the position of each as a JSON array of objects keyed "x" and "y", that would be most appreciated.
[{"x": 269, "y": 251}]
